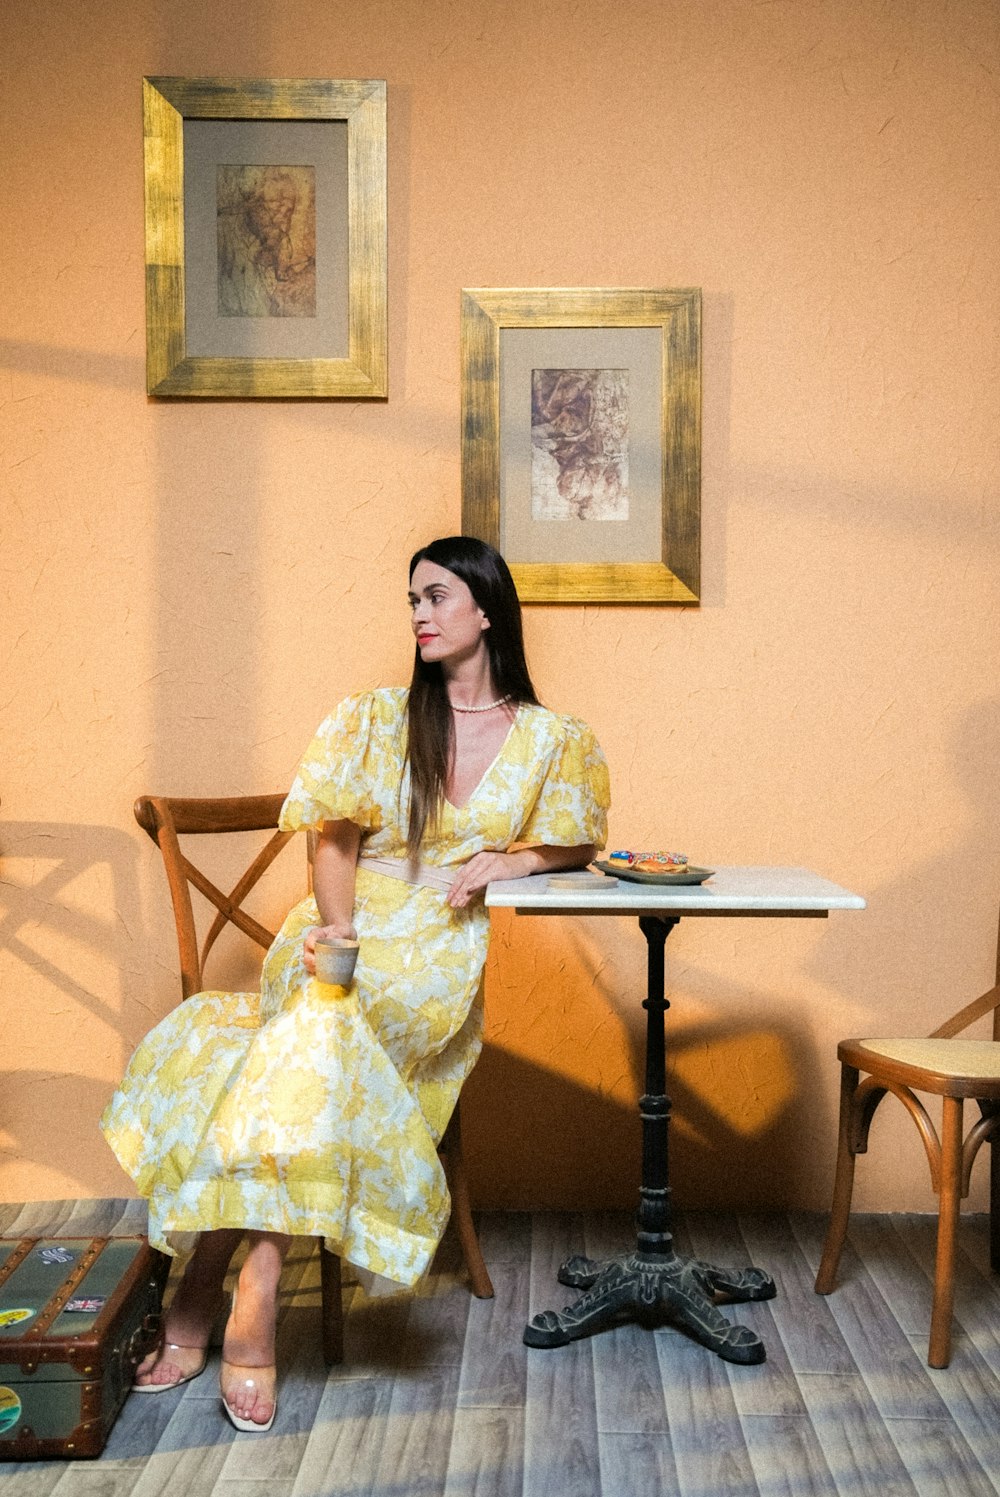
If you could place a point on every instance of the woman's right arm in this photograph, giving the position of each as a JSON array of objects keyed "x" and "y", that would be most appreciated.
[{"x": 334, "y": 873}]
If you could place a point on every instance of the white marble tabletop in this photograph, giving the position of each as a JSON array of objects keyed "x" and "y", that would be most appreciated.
[{"x": 756, "y": 890}]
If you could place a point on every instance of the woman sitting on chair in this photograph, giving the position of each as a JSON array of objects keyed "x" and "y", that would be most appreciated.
[{"x": 291, "y": 1113}]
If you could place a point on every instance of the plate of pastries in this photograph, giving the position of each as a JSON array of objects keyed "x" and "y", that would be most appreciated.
[{"x": 653, "y": 868}]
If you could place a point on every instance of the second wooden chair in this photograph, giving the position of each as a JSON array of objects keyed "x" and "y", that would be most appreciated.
[{"x": 955, "y": 1070}]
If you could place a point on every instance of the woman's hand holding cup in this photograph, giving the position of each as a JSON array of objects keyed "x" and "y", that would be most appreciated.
[{"x": 336, "y": 939}]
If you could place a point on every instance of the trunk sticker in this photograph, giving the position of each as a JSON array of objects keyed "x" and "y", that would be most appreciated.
[
  {"x": 56, "y": 1255},
  {"x": 14, "y": 1317},
  {"x": 10, "y": 1409}
]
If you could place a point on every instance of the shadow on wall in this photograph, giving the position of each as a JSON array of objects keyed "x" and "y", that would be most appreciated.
[
  {"x": 959, "y": 860},
  {"x": 754, "y": 1102},
  {"x": 50, "y": 1116},
  {"x": 70, "y": 912},
  {"x": 742, "y": 1081},
  {"x": 78, "y": 885},
  {"x": 536, "y": 1139},
  {"x": 82, "y": 366},
  {"x": 552, "y": 1113}
]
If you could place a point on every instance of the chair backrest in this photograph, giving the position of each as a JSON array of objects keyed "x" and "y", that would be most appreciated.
[
  {"x": 988, "y": 1003},
  {"x": 168, "y": 818}
]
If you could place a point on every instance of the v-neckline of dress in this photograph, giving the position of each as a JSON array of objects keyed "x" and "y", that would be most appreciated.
[{"x": 489, "y": 768}]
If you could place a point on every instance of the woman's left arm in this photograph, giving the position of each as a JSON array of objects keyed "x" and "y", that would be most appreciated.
[{"x": 484, "y": 867}]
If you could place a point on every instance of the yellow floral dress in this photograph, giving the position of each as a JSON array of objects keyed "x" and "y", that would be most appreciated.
[{"x": 298, "y": 1111}]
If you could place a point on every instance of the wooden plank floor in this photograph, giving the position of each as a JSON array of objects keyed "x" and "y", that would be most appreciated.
[{"x": 438, "y": 1397}]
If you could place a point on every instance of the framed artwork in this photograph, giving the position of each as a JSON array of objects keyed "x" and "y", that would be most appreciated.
[
  {"x": 581, "y": 440},
  {"x": 265, "y": 237}
]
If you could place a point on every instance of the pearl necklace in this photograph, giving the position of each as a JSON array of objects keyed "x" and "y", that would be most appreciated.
[{"x": 487, "y": 708}]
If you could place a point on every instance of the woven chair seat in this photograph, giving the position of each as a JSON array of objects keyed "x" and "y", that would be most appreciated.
[{"x": 972, "y": 1061}]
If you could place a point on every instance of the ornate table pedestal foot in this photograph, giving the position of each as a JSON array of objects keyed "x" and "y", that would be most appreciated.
[{"x": 654, "y": 1289}]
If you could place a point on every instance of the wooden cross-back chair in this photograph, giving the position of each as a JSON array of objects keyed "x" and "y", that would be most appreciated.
[
  {"x": 953, "y": 1069},
  {"x": 167, "y": 819}
]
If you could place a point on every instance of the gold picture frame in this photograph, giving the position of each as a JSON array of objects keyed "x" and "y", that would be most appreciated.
[
  {"x": 355, "y": 363},
  {"x": 669, "y": 356}
]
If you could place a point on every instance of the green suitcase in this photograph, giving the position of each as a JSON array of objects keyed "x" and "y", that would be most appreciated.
[{"x": 76, "y": 1316}]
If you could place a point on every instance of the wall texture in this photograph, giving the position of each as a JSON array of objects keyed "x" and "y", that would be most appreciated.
[{"x": 188, "y": 587}]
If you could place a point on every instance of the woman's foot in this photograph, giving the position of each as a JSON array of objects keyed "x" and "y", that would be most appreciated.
[
  {"x": 249, "y": 1395},
  {"x": 247, "y": 1379},
  {"x": 169, "y": 1365},
  {"x": 182, "y": 1352}
]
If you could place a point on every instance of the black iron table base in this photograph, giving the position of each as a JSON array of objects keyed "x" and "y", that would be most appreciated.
[
  {"x": 655, "y": 1284},
  {"x": 652, "y": 1291}
]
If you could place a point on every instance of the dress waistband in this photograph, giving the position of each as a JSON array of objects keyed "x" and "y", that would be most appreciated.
[{"x": 423, "y": 874}]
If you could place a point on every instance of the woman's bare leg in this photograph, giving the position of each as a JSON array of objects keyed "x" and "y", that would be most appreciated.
[
  {"x": 247, "y": 1378},
  {"x": 188, "y": 1322}
]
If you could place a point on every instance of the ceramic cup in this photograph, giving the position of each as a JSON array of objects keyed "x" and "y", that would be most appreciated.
[{"x": 335, "y": 961}]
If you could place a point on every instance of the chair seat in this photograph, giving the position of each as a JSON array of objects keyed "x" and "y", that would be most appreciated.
[{"x": 960, "y": 1068}]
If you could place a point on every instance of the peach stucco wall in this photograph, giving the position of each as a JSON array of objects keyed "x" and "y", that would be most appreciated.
[{"x": 187, "y": 587}]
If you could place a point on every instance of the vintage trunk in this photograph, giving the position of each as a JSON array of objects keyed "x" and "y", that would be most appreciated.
[{"x": 76, "y": 1315}]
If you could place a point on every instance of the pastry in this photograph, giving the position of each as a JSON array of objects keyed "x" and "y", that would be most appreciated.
[{"x": 661, "y": 862}]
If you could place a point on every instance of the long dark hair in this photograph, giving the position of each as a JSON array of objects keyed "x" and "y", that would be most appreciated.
[{"x": 431, "y": 728}]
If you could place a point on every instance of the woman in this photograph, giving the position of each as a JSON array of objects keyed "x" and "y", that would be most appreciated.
[{"x": 293, "y": 1113}]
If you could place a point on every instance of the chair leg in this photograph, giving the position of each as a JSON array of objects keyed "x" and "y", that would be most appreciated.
[
  {"x": 995, "y": 1203},
  {"x": 939, "y": 1350},
  {"x": 332, "y": 1306},
  {"x": 843, "y": 1186},
  {"x": 461, "y": 1208}
]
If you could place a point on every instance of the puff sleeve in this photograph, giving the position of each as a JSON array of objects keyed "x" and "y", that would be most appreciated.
[
  {"x": 571, "y": 807},
  {"x": 340, "y": 772}
]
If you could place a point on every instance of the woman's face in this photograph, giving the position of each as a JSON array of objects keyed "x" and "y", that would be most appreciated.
[{"x": 448, "y": 623}]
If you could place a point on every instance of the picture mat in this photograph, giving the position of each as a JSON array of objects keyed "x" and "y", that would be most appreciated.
[
  {"x": 320, "y": 144},
  {"x": 640, "y": 537}
]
